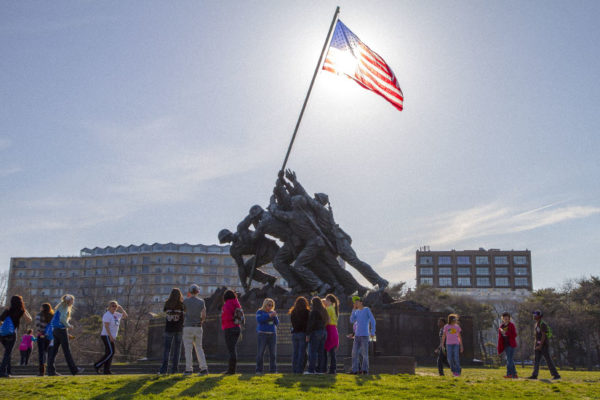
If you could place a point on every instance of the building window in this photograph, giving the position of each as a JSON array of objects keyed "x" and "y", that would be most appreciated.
[
  {"x": 445, "y": 281},
  {"x": 464, "y": 271},
  {"x": 445, "y": 271},
  {"x": 146, "y": 260},
  {"x": 48, "y": 263},
  {"x": 521, "y": 271},
  {"x": 502, "y": 282},
  {"x": 426, "y": 281},
  {"x": 501, "y": 271},
  {"x": 520, "y": 260},
  {"x": 482, "y": 260},
  {"x": 426, "y": 260},
  {"x": 199, "y": 260},
  {"x": 213, "y": 261},
  {"x": 501, "y": 260},
  {"x": 482, "y": 271},
  {"x": 463, "y": 260},
  {"x": 444, "y": 260},
  {"x": 122, "y": 260},
  {"x": 464, "y": 281},
  {"x": 483, "y": 281},
  {"x": 157, "y": 279},
  {"x": 426, "y": 271},
  {"x": 521, "y": 282},
  {"x": 213, "y": 270}
]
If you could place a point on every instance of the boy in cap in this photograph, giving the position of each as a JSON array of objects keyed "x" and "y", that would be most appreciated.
[
  {"x": 541, "y": 334},
  {"x": 365, "y": 328},
  {"x": 195, "y": 314}
]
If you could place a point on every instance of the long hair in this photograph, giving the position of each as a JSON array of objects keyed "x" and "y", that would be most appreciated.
[
  {"x": 452, "y": 319},
  {"x": 47, "y": 313},
  {"x": 266, "y": 302},
  {"x": 336, "y": 303},
  {"x": 317, "y": 306},
  {"x": 17, "y": 306},
  {"x": 300, "y": 304},
  {"x": 63, "y": 304},
  {"x": 175, "y": 300}
]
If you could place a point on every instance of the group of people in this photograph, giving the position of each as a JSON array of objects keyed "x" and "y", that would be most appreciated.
[
  {"x": 314, "y": 332},
  {"x": 52, "y": 325},
  {"x": 451, "y": 344},
  {"x": 311, "y": 238}
]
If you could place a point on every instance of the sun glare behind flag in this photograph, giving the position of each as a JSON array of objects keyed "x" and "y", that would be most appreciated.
[{"x": 348, "y": 56}]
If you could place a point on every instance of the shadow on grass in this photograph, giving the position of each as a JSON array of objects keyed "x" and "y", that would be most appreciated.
[
  {"x": 362, "y": 379},
  {"x": 203, "y": 385},
  {"x": 127, "y": 391},
  {"x": 306, "y": 382},
  {"x": 162, "y": 384}
]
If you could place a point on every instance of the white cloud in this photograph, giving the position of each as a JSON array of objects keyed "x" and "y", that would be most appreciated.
[
  {"x": 4, "y": 143},
  {"x": 482, "y": 221},
  {"x": 9, "y": 171}
]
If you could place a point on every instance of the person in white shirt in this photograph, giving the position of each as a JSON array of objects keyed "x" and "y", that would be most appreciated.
[{"x": 110, "y": 328}]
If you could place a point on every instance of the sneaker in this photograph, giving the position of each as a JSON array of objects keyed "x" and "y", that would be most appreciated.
[
  {"x": 108, "y": 373},
  {"x": 532, "y": 377},
  {"x": 79, "y": 371},
  {"x": 203, "y": 372},
  {"x": 54, "y": 374},
  {"x": 455, "y": 374},
  {"x": 515, "y": 377},
  {"x": 97, "y": 369},
  {"x": 508, "y": 376},
  {"x": 555, "y": 377},
  {"x": 308, "y": 373},
  {"x": 187, "y": 373}
]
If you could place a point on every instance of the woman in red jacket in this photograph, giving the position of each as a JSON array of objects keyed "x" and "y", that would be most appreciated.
[
  {"x": 230, "y": 323},
  {"x": 507, "y": 335}
]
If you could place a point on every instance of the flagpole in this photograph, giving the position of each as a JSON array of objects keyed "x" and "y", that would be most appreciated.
[{"x": 327, "y": 39}]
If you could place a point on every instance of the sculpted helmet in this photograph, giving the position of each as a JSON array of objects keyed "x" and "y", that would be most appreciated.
[
  {"x": 256, "y": 210},
  {"x": 322, "y": 198},
  {"x": 225, "y": 236}
]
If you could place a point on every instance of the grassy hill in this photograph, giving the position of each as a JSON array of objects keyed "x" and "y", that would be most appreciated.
[{"x": 474, "y": 384}]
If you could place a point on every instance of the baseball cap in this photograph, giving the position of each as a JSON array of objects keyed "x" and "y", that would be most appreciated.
[
  {"x": 537, "y": 313},
  {"x": 194, "y": 288},
  {"x": 356, "y": 298}
]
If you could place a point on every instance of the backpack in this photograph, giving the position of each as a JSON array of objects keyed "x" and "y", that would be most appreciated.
[
  {"x": 238, "y": 316},
  {"x": 548, "y": 331},
  {"x": 49, "y": 332},
  {"x": 8, "y": 327}
]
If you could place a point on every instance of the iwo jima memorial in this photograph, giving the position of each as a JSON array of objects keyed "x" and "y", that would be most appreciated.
[{"x": 298, "y": 235}]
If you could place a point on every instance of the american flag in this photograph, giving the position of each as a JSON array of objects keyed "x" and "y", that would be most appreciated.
[{"x": 349, "y": 56}]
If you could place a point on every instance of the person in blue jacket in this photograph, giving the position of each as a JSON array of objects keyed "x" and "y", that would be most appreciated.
[
  {"x": 60, "y": 337},
  {"x": 266, "y": 329},
  {"x": 365, "y": 329}
]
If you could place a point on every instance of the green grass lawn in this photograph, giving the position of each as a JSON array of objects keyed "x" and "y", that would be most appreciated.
[{"x": 473, "y": 384}]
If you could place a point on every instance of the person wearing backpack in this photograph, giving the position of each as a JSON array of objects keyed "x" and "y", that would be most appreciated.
[
  {"x": 60, "y": 337},
  {"x": 232, "y": 317},
  {"x": 542, "y": 333},
  {"x": 44, "y": 333},
  {"x": 10, "y": 319}
]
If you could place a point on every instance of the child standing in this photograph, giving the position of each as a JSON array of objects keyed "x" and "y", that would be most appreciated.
[
  {"x": 453, "y": 340},
  {"x": 507, "y": 335},
  {"x": 26, "y": 346}
]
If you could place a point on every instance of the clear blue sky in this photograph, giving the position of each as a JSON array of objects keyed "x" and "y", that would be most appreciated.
[{"x": 133, "y": 122}]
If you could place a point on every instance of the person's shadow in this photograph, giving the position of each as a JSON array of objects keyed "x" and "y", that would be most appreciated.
[
  {"x": 306, "y": 382},
  {"x": 203, "y": 385}
]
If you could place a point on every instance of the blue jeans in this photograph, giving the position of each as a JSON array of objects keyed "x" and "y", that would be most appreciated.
[
  {"x": 317, "y": 361},
  {"x": 43, "y": 347},
  {"x": 360, "y": 351},
  {"x": 299, "y": 355},
  {"x": 172, "y": 339},
  {"x": 265, "y": 340},
  {"x": 510, "y": 362},
  {"x": 452, "y": 351}
]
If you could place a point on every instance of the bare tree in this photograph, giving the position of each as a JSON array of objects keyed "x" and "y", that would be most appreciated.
[{"x": 3, "y": 287}]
